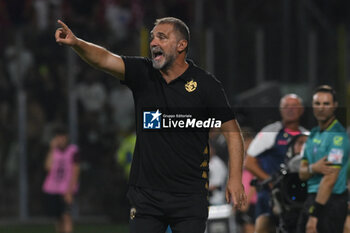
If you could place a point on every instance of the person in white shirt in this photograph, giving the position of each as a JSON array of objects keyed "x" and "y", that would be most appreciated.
[{"x": 217, "y": 178}]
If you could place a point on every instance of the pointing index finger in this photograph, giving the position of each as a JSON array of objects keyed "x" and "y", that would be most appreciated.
[{"x": 65, "y": 27}]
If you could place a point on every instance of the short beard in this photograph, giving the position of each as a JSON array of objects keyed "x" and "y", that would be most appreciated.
[{"x": 167, "y": 63}]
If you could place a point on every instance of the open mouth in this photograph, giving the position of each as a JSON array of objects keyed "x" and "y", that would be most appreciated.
[{"x": 157, "y": 53}]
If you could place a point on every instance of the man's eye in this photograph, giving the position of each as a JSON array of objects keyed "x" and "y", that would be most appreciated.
[{"x": 161, "y": 36}]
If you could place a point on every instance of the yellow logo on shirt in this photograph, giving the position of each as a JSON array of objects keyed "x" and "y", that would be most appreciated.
[
  {"x": 338, "y": 140},
  {"x": 205, "y": 175},
  {"x": 317, "y": 141},
  {"x": 191, "y": 86},
  {"x": 205, "y": 150},
  {"x": 204, "y": 164},
  {"x": 132, "y": 213}
]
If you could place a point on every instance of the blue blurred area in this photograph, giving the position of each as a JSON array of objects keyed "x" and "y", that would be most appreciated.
[{"x": 168, "y": 230}]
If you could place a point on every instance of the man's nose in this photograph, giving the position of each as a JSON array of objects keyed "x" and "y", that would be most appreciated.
[
  {"x": 321, "y": 107},
  {"x": 153, "y": 42}
]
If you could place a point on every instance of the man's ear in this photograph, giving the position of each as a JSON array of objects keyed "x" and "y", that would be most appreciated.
[{"x": 182, "y": 45}]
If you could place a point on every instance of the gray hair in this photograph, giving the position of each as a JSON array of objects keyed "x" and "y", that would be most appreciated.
[
  {"x": 292, "y": 95},
  {"x": 179, "y": 26}
]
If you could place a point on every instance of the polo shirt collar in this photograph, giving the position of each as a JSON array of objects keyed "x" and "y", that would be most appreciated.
[
  {"x": 332, "y": 125},
  {"x": 186, "y": 76},
  {"x": 334, "y": 122}
]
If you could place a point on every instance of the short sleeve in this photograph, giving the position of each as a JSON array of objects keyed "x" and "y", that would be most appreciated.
[
  {"x": 217, "y": 101},
  {"x": 75, "y": 153},
  {"x": 337, "y": 151},
  {"x": 135, "y": 70},
  {"x": 262, "y": 142}
]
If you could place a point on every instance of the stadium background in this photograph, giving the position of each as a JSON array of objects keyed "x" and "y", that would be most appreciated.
[{"x": 259, "y": 50}]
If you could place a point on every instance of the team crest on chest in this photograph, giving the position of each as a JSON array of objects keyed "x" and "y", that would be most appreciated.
[
  {"x": 132, "y": 213},
  {"x": 338, "y": 140},
  {"x": 190, "y": 86}
]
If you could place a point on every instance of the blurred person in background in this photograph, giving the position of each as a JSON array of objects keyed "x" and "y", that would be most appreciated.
[
  {"x": 299, "y": 143},
  {"x": 6, "y": 124},
  {"x": 245, "y": 218},
  {"x": 125, "y": 152},
  {"x": 92, "y": 95},
  {"x": 92, "y": 100},
  {"x": 121, "y": 104},
  {"x": 268, "y": 150},
  {"x": 217, "y": 178},
  {"x": 324, "y": 166},
  {"x": 168, "y": 179},
  {"x": 347, "y": 221},
  {"x": 294, "y": 153},
  {"x": 61, "y": 182}
]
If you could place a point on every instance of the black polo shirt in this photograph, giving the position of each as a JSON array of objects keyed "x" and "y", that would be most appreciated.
[{"x": 173, "y": 160}]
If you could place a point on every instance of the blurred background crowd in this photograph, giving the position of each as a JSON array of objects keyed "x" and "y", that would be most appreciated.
[{"x": 258, "y": 49}]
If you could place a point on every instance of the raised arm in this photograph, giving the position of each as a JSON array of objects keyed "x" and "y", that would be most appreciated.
[
  {"x": 234, "y": 190},
  {"x": 94, "y": 55},
  {"x": 49, "y": 156}
]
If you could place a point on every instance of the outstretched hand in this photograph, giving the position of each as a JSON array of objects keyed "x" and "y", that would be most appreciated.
[
  {"x": 235, "y": 194},
  {"x": 64, "y": 35}
]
